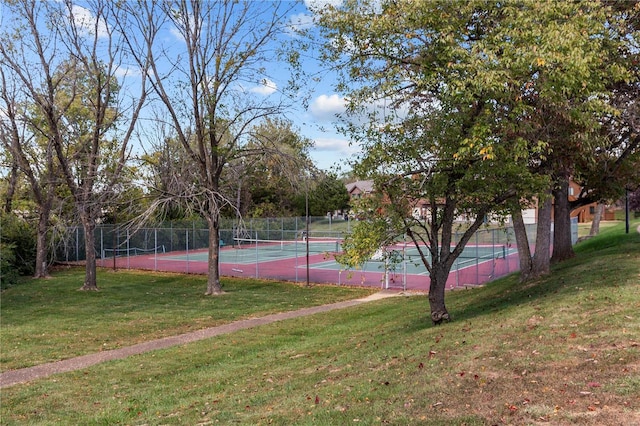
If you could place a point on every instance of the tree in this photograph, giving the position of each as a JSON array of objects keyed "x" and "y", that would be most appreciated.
[
  {"x": 167, "y": 170},
  {"x": 202, "y": 84},
  {"x": 273, "y": 170},
  {"x": 67, "y": 60},
  {"x": 327, "y": 194},
  {"x": 607, "y": 160},
  {"x": 438, "y": 139},
  {"x": 32, "y": 155},
  {"x": 513, "y": 91}
]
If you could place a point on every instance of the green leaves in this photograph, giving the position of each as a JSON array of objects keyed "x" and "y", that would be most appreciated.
[
  {"x": 481, "y": 99},
  {"x": 367, "y": 237}
]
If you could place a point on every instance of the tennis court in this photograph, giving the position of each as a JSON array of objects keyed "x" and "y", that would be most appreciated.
[
  {"x": 279, "y": 250},
  {"x": 287, "y": 260}
]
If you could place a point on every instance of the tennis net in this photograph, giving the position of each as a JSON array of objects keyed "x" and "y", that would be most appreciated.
[
  {"x": 469, "y": 252},
  {"x": 131, "y": 251},
  {"x": 315, "y": 245}
]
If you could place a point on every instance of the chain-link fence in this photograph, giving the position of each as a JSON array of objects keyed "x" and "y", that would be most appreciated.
[{"x": 290, "y": 249}]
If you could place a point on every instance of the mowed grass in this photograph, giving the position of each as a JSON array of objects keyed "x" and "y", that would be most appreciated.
[
  {"x": 563, "y": 350},
  {"x": 49, "y": 320}
]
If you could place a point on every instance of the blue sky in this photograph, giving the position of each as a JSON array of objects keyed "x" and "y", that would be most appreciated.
[{"x": 317, "y": 122}]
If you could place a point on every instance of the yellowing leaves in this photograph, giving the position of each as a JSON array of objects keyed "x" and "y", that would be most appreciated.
[
  {"x": 487, "y": 153},
  {"x": 540, "y": 62},
  {"x": 474, "y": 147}
]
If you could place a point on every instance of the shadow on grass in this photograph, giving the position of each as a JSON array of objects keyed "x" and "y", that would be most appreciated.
[{"x": 600, "y": 262}]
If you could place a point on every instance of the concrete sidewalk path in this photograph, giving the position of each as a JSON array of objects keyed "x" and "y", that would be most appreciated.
[{"x": 13, "y": 377}]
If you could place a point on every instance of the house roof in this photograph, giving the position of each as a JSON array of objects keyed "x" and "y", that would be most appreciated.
[{"x": 365, "y": 186}]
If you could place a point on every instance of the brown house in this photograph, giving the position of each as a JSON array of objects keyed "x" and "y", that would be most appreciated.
[
  {"x": 586, "y": 213},
  {"x": 359, "y": 189}
]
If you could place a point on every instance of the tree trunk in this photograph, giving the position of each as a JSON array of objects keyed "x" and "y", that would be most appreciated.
[
  {"x": 213, "y": 281},
  {"x": 11, "y": 189},
  {"x": 562, "y": 247},
  {"x": 42, "y": 252},
  {"x": 90, "y": 280},
  {"x": 541, "y": 258},
  {"x": 439, "y": 312},
  {"x": 595, "y": 224},
  {"x": 522, "y": 242}
]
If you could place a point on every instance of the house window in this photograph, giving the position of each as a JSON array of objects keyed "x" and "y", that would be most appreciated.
[
  {"x": 570, "y": 191},
  {"x": 592, "y": 210}
]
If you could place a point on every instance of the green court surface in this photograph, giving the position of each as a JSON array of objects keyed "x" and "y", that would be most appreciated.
[{"x": 288, "y": 251}]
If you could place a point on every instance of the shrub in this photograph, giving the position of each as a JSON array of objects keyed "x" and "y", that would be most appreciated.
[{"x": 17, "y": 248}]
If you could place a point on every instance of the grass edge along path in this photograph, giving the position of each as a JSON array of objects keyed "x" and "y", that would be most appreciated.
[
  {"x": 45, "y": 321},
  {"x": 13, "y": 377}
]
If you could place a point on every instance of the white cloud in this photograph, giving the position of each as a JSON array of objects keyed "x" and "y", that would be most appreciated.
[
  {"x": 327, "y": 108},
  {"x": 334, "y": 144},
  {"x": 299, "y": 22},
  {"x": 87, "y": 23},
  {"x": 123, "y": 72},
  {"x": 304, "y": 21},
  {"x": 184, "y": 20},
  {"x": 176, "y": 33},
  {"x": 265, "y": 88},
  {"x": 314, "y": 5},
  {"x": 331, "y": 152}
]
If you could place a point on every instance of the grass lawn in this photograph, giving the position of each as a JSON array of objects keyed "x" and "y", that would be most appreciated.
[
  {"x": 564, "y": 350},
  {"x": 49, "y": 320}
]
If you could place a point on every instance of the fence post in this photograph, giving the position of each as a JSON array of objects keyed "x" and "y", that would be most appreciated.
[
  {"x": 493, "y": 253},
  {"x": 102, "y": 248},
  {"x": 128, "y": 242},
  {"x": 295, "y": 239},
  {"x": 155, "y": 249},
  {"x": 257, "y": 260},
  {"x": 77, "y": 244},
  {"x": 186, "y": 233},
  {"x": 477, "y": 262},
  {"x": 404, "y": 264}
]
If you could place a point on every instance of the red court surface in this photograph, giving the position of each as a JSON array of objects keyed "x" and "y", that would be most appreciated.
[{"x": 322, "y": 269}]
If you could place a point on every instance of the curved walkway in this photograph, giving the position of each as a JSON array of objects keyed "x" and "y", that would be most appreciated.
[{"x": 13, "y": 377}]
